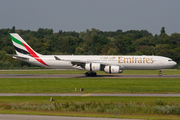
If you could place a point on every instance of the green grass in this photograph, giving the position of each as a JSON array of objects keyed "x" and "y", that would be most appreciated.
[
  {"x": 125, "y": 72},
  {"x": 123, "y": 107},
  {"x": 87, "y": 99},
  {"x": 90, "y": 85}
]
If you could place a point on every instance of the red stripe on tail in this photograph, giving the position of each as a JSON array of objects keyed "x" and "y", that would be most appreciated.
[{"x": 33, "y": 54}]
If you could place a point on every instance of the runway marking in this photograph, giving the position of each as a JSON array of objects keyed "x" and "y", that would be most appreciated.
[{"x": 87, "y": 94}]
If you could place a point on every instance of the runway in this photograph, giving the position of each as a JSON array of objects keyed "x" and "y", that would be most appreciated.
[
  {"x": 89, "y": 94},
  {"x": 44, "y": 117},
  {"x": 83, "y": 76}
]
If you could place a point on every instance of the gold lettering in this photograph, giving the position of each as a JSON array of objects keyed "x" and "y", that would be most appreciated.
[
  {"x": 112, "y": 58},
  {"x": 127, "y": 60},
  {"x": 119, "y": 59},
  {"x": 144, "y": 60},
  {"x": 136, "y": 59},
  {"x": 132, "y": 59},
  {"x": 140, "y": 61},
  {"x": 152, "y": 60},
  {"x": 147, "y": 60}
]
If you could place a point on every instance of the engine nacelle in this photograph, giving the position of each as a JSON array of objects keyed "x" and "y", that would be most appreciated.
[
  {"x": 93, "y": 67},
  {"x": 112, "y": 69}
]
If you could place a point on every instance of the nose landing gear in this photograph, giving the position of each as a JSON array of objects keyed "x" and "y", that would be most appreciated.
[
  {"x": 160, "y": 74},
  {"x": 90, "y": 73}
]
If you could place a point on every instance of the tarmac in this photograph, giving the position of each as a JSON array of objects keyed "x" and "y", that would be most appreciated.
[
  {"x": 44, "y": 117},
  {"x": 83, "y": 76}
]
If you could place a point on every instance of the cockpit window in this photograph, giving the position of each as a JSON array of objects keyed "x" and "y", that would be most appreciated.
[{"x": 169, "y": 60}]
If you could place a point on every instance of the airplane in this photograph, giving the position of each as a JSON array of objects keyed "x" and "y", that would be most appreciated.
[{"x": 108, "y": 63}]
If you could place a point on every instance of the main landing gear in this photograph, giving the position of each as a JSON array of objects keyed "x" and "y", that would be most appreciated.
[
  {"x": 160, "y": 74},
  {"x": 90, "y": 73}
]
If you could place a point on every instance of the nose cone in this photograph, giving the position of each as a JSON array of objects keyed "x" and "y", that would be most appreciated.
[{"x": 174, "y": 63}]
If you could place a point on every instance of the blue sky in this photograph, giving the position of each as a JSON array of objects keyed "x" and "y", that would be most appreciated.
[{"x": 79, "y": 15}]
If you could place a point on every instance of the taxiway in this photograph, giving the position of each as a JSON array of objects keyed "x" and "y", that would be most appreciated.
[
  {"x": 83, "y": 76},
  {"x": 44, "y": 117}
]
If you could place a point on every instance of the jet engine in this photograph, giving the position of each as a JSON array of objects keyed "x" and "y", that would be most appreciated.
[
  {"x": 112, "y": 69},
  {"x": 93, "y": 67}
]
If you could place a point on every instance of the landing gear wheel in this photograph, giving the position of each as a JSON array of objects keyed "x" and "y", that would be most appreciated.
[
  {"x": 91, "y": 73},
  {"x": 94, "y": 73},
  {"x": 87, "y": 74},
  {"x": 160, "y": 74}
]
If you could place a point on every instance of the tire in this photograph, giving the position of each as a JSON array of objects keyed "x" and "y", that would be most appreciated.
[
  {"x": 94, "y": 74},
  {"x": 86, "y": 74},
  {"x": 160, "y": 74}
]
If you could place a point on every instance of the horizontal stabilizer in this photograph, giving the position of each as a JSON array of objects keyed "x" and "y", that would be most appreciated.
[{"x": 18, "y": 57}]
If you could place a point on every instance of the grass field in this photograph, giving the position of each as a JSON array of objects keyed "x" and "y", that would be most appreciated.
[
  {"x": 125, "y": 72},
  {"x": 90, "y": 85},
  {"x": 91, "y": 106},
  {"x": 123, "y": 107},
  {"x": 88, "y": 99}
]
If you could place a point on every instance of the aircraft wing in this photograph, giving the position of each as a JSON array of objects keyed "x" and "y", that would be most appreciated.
[
  {"x": 77, "y": 61},
  {"x": 80, "y": 64},
  {"x": 74, "y": 61}
]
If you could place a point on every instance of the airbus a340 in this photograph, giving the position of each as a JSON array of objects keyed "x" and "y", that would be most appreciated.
[{"x": 90, "y": 63}]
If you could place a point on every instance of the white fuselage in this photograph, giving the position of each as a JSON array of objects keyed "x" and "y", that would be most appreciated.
[{"x": 125, "y": 62}]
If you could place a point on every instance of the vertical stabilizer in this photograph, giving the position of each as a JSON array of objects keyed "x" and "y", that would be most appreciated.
[{"x": 21, "y": 47}]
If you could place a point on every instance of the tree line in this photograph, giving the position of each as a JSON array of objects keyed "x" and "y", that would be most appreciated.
[{"x": 90, "y": 42}]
